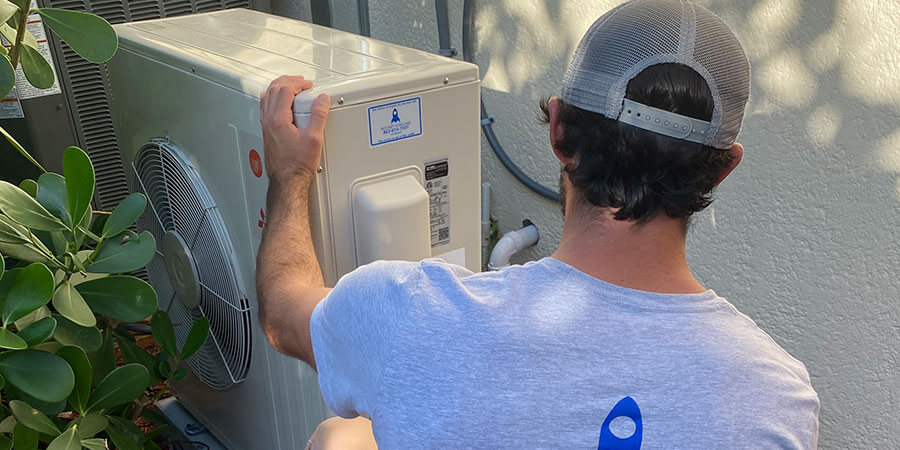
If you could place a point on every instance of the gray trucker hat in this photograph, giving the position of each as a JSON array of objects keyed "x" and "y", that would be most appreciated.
[{"x": 641, "y": 33}]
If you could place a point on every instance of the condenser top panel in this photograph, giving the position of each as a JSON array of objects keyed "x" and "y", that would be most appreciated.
[{"x": 245, "y": 50}]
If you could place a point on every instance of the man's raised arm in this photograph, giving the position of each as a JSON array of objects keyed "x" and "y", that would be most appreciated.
[{"x": 289, "y": 282}]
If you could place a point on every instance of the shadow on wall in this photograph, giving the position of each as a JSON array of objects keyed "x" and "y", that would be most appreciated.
[{"x": 805, "y": 236}]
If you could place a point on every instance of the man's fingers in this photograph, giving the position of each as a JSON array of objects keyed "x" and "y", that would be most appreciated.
[
  {"x": 319, "y": 114},
  {"x": 280, "y": 96}
]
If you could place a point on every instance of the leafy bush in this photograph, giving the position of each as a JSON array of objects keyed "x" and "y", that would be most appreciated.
[{"x": 68, "y": 296}]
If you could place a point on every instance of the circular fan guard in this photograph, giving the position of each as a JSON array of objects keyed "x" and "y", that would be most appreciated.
[{"x": 180, "y": 204}]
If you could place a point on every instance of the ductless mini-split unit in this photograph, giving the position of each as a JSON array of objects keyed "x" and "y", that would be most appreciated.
[{"x": 399, "y": 179}]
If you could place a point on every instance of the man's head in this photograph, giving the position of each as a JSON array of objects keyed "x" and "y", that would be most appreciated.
[{"x": 652, "y": 102}]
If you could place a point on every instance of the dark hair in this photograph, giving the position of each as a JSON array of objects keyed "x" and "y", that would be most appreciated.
[{"x": 638, "y": 172}]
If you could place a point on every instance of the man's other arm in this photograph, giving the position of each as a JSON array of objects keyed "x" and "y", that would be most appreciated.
[{"x": 289, "y": 282}]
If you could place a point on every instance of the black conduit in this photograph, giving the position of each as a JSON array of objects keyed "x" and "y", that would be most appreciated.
[{"x": 486, "y": 120}]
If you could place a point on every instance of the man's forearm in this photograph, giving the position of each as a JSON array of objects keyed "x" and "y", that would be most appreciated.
[
  {"x": 289, "y": 280},
  {"x": 287, "y": 239}
]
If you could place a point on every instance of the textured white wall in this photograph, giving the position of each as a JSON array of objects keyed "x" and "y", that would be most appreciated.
[{"x": 805, "y": 235}]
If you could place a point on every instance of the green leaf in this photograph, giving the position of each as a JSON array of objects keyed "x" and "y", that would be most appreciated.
[
  {"x": 85, "y": 224},
  {"x": 8, "y": 424},
  {"x": 5, "y": 443},
  {"x": 81, "y": 367},
  {"x": 6, "y": 282},
  {"x": 125, "y": 214},
  {"x": 78, "y": 278},
  {"x": 103, "y": 361},
  {"x": 164, "y": 333},
  {"x": 165, "y": 369},
  {"x": 24, "y": 438},
  {"x": 51, "y": 409},
  {"x": 37, "y": 70},
  {"x": 133, "y": 353},
  {"x": 67, "y": 332},
  {"x": 89, "y": 35},
  {"x": 49, "y": 347},
  {"x": 9, "y": 340},
  {"x": 94, "y": 444},
  {"x": 122, "y": 435},
  {"x": 17, "y": 242},
  {"x": 197, "y": 336},
  {"x": 154, "y": 416},
  {"x": 52, "y": 195},
  {"x": 28, "y": 185},
  {"x": 43, "y": 375},
  {"x": 2, "y": 265},
  {"x": 55, "y": 240},
  {"x": 12, "y": 141},
  {"x": 9, "y": 32},
  {"x": 180, "y": 374},
  {"x": 24, "y": 210},
  {"x": 12, "y": 232},
  {"x": 7, "y": 77},
  {"x": 29, "y": 291},
  {"x": 39, "y": 331},
  {"x": 121, "y": 386},
  {"x": 79, "y": 173},
  {"x": 32, "y": 418},
  {"x": 66, "y": 441},
  {"x": 125, "y": 252},
  {"x": 121, "y": 297},
  {"x": 90, "y": 424},
  {"x": 72, "y": 306},
  {"x": 31, "y": 317},
  {"x": 7, "y": 9}
]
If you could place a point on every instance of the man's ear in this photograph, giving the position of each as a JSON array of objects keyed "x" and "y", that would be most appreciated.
[
  {"x": 556, "y": 130},
  {"x": 737, "y": 152}
]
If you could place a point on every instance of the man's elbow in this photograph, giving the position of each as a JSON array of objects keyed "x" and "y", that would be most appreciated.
[{"x": 273, "y": 332}]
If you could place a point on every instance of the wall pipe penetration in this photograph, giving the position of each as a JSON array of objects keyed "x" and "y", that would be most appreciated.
[{"x": 511, "y": 243}]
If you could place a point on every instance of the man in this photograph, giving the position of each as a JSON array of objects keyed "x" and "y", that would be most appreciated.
[{"x": 611, "y": 342}]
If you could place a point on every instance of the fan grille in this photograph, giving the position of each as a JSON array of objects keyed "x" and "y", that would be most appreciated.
[{"x": 179, "y": 202}]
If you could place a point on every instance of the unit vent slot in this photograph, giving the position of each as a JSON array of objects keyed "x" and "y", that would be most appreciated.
[{"x": 85, "y": 83}]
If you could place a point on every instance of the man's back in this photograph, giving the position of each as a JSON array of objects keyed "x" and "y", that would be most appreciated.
[{"x": 546, "y": 356}]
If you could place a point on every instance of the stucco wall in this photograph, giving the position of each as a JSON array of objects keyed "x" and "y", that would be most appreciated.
[{"x": 805, "y": 235}]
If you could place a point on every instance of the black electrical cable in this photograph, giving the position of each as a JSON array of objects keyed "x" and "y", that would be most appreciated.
[{"x": 486, "y": 120}]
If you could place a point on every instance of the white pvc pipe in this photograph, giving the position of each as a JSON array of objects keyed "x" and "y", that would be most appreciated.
[
  {"x": 511, "y": 243},
  {"x": 485, "y": 219}
]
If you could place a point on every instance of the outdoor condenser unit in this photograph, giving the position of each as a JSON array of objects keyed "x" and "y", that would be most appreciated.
[{"x": 399, "y": 179}]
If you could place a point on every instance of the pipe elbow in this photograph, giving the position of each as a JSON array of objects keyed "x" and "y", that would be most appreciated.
[{"x": 511, "y": 243}]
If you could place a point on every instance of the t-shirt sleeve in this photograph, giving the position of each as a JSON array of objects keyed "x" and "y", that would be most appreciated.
[{"x": 352, "y": 330}]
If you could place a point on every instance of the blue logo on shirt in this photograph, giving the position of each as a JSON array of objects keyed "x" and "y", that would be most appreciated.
[{"x": 626, "y": 407}]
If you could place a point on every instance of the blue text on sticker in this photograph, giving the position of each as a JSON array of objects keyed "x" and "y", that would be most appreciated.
[{"x": 395, "y": 121}]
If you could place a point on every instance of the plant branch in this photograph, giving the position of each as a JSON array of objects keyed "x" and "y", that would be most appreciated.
[
  {"x": 20, "y": 35},
  {"x": 20, "y": 149},
  {"x": 89, "y": 234}
]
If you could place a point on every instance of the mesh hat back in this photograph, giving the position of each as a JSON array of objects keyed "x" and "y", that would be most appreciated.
[{"x": 641, "y": 33}]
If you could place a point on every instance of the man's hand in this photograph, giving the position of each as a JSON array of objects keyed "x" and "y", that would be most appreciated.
[
  {"x": 290, "y": 150},
  {"x": 288, "y": 279}
]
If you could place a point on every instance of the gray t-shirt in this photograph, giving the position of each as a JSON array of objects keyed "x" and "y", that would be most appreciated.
[{"x": 545, "y": 356}]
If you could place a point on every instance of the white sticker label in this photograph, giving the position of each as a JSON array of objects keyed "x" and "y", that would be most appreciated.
[
  {"x": 395, "y": 121},
  {"x": 10, "y": 108},
  {"x": 457, "y": 256},
  {"x": 437, "y": 184}
]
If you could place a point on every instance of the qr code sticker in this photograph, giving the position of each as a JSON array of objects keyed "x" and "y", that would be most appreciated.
[{"x": 444, "y": 234}]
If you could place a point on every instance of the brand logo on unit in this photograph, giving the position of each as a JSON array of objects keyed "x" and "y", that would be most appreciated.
[
  {"x": 627, "y": 408},
  {"x": 395, "y": 121}
]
